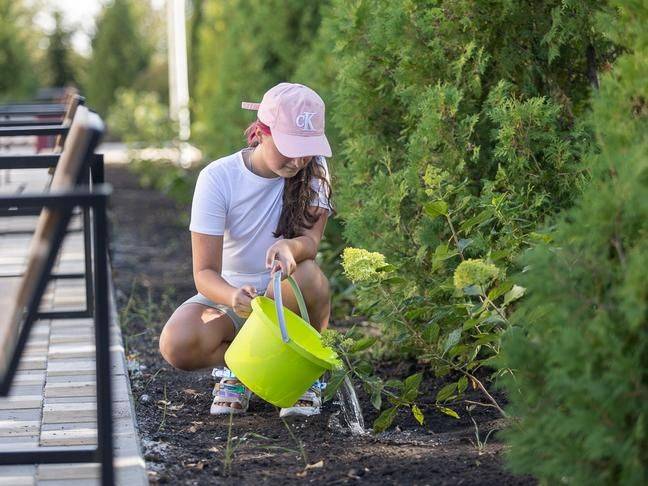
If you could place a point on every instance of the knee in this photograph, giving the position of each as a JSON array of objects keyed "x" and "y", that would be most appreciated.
[
  {"x": 311, "y": 279},
  {"x": 176, "y": 347}
]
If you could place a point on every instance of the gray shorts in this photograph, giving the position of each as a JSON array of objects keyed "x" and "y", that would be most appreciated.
[{"x": 201, "y": 299}]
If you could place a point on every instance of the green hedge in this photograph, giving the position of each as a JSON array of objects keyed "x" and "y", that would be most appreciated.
[
  {"x": 461, "y": 132},
  {"x": 580, "y": 346}
]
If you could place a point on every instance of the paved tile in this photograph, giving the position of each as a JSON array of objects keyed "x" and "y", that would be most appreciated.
[
  {"x": 67, "y": 351},
  {"x": 19, "y": 402},
  {"x": 53, "y": 402},
  {"x": 54, "y": 413},
  {"x": 32, "y": 363},
  {"x": 15, "y": 428},
  {"x": 18, "y": 475},
  {"x": 21, "y": 414},
  {"x": 29, "y": 377}
]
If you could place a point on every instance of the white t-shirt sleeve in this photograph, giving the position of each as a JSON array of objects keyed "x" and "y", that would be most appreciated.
[
  {"x": 209, "y": 205},
  {"x": 322, "y": 198}
]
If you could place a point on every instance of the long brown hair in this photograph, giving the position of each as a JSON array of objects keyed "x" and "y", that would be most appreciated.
[{"x": 298, "y": 193}]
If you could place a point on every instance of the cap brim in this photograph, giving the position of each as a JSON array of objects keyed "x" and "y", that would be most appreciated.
[{"x": 296, "y": 146}]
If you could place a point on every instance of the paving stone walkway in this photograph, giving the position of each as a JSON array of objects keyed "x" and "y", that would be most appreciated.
[{"x": 53, "y": 402}]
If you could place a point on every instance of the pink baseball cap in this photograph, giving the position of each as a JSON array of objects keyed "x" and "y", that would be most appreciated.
[{"x": 295, "y": 115}]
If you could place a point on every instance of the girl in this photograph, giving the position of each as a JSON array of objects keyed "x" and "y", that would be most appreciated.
[{"x": 255, "y": 211}]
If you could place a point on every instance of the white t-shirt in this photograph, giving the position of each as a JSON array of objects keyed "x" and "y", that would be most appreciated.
[{"x": 232, "y": 201}]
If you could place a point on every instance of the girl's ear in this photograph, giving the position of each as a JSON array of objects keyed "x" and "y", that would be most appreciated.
[{"x": 259, "y": 135}]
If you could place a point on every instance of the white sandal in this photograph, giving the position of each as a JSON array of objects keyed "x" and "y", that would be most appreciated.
[
  {"x": 313, "y": 397},
  {"x": 231, "y": 391}
]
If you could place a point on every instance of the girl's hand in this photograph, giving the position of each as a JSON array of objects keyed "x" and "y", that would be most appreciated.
[
  {"x": 241, "y": 301},
  {"x": 285, "y": 260}
]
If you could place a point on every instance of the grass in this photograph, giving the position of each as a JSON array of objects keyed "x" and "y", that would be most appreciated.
[{"x": 143, "y": 313}]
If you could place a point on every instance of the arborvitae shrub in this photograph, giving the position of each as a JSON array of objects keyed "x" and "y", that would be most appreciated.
[
  {"x": 460, "y": 133},
  {"x": 579, "y": 349}
]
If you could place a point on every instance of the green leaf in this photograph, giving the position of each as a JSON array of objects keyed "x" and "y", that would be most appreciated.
[
  {"x": 364, "y": 368},
  {"x": 337, "y": 377},
  {"x": 441, "y": 371},
  {"x": 385, "y": 419},
  {"x": 464, "y": 243},
  {"x": 470, "y": 323},
  {"x": 431, "y": 333},
  {"x": 409, "y": 395},
  {"x": 449, "y": 411},
  {"x": 462, "y": 384},
  {"x": 362, "y": 344},
  {"x": 481, "y": 218},
  {"x": 452, "y": 339},
  {"x": 393, "y": 383},
  {"x": 412, "y": 382},
  {"x": 446, "y": 392},
  {"x": 473, "y": 290},
  {"x": 436, "y": 208},
  {"x": 418, "y": 415},
  {"x": 500, "y": 290},
  {"x": 441, "y": 254},
  {"x": 376, "y": 398},
  {"x": 514, "y": 294}
]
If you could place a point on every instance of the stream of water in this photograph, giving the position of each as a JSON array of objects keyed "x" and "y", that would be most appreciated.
[{"x": 350, "y": 406}]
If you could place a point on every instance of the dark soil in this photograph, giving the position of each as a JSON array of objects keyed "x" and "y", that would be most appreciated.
[{"x": 183, "y": 444}]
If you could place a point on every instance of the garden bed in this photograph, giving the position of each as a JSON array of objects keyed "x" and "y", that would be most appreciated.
[{"x": 183, "y": 444}]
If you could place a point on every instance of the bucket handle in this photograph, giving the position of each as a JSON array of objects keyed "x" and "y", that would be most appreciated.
[{"x": 279, "y": 303}]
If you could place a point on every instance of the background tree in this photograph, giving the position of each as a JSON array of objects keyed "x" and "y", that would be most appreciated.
[
  {"x": 18, "y": 76},
  {"x": 59, "y": 54},
  {"x": 244, "y": 48},
  {"x": 119, "y": 54},
  {"x": 580, "y": 345}
]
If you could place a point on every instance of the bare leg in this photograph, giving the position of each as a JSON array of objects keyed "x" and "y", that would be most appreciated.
[{"x": 196, "y": 336}]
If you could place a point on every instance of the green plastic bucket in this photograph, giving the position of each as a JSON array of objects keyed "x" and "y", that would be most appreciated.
[{"x": 277, "y": 354}]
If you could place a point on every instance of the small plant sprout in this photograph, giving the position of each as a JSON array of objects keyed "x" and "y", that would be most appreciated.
[
  {"x": 298, "y": 442},
  {"x": 478, "y": 443},
  {"x": 234, "y": 443},
  {"x": 165, "y": 404}
]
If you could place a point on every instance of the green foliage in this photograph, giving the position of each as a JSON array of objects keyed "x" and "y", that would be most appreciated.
[
  {"x": 580, "y": 344},
  {"x": 352, "y": 348},
  {"x": 59, "y": 54},
  {"x": 18, "y": 77},
  {"x": 140, "y": 117},
  {"x": 243, "y": 48},
  {"x": 174, "y": 181},
  {"x": 119, "y": 54},
  {"x": 461, "y": 131}
]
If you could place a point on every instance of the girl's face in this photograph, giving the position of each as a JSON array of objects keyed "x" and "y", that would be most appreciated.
[{"x": 276, "y": 162}]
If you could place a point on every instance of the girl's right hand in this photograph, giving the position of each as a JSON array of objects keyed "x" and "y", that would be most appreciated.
[{"x": 241, "y": 300}]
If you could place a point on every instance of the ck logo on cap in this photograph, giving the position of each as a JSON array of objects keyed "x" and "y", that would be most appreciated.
[{"x": 305, "y": 121}]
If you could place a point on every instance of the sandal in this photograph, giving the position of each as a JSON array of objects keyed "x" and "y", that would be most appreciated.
[
  {"x": 230, "y": 395},
  {"x": 309, "y": 404}
]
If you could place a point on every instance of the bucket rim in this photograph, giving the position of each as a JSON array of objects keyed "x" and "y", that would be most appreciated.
[{"x": 294, "y": 345}]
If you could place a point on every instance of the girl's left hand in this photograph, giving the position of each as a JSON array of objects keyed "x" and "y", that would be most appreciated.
[{"x": 285, "y": 260}]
